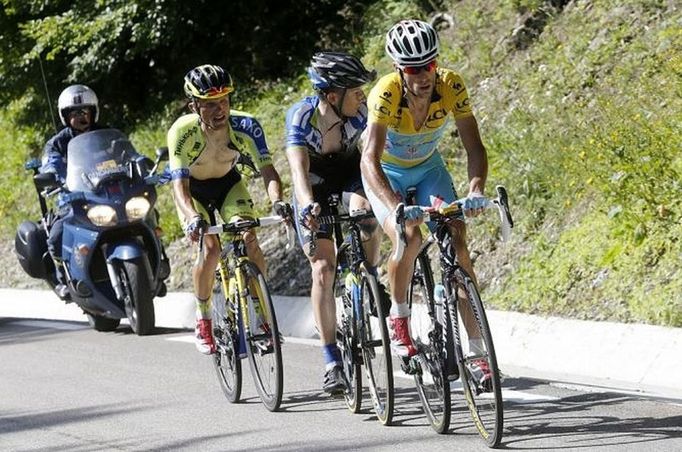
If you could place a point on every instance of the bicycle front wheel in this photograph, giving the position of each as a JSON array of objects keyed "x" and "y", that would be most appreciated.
[
  {"x": 226, "y": 360},
  {"x": 477, "y": 363},
  {"x": 263, "y": 340},
  {"x": 376, "y": 350},
  {"x": 432, "y": 383},
  {"x": 347, "y": 340}
]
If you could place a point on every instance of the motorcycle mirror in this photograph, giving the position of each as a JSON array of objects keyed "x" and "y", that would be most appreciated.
[
  {"x": 46, "y": 180},
  {"x": 162, "y": 153}
]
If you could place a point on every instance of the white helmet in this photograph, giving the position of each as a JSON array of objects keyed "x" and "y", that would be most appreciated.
[
  {"x": 75, "y": 97},
  {"x": 412, "y": 43}
]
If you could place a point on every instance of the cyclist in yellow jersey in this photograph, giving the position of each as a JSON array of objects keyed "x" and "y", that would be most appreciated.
[
  {"x": 408, "y": 112},
  {"x": 204, "y": 147}
]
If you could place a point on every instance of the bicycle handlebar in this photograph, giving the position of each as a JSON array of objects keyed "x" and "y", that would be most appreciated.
[
  {"x": 355, "y": 216},
  {"x": 451, "y": 210},
  {"x": 242, "y": 225}
]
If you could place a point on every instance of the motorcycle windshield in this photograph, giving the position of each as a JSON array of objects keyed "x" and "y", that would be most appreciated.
[{"x": 96, "y": 156}]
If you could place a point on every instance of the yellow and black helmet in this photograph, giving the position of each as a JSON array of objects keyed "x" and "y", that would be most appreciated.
[{"x": 208, "y": 81}]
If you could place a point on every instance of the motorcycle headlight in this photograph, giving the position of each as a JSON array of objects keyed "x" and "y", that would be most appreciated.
[
  {"x": 137, "y": 208},
  {"x": 101, "y": 215}
]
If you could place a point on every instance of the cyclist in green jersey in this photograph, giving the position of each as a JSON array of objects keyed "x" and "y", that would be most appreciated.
[{"x": 204, "y": 148}]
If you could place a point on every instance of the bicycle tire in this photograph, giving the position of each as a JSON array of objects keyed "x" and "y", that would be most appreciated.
[
  {"x": 483, "y": 400},
  {"x": 433, "y": 386},
  {"x": 347, "y": 339},
  {"x": 226, "y": 360},
  {"x": 376, "y": 350},
  {"x": 264, "y": 347}
]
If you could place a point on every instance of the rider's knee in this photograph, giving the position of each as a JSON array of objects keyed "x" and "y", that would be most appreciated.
[
  {"x": 368, "y": 227},
  {"x": 323, "y": 272},
  {"x": 459, "y": 233}
]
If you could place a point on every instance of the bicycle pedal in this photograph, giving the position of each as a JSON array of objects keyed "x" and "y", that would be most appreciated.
[{"x": 411, "y": 366}]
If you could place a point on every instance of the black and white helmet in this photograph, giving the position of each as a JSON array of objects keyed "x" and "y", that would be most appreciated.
[
  {"x": 76, "y": 97},
  {"x": 412, "y": 43},
  {"x": 338, "y": 70}
]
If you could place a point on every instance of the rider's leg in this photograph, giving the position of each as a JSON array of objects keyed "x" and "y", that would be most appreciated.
[
  {"x": 54, "y": 247},
  {"x": 324, "y": 310},
  {"x": 322, "y": 265},
  {"x": 369, "y": 229},
  {"x": 254, "y": 251},
  {"x": 459, "y": 244},
  {"x": 203, "y": 274}
]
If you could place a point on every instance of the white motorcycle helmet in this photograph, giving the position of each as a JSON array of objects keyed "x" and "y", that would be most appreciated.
[{"x": 74, "y": 97}]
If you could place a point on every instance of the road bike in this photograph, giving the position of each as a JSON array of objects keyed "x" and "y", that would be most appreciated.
[
  {"x": 361, "y": 327},
  {"x": 451, "y": 330},
  {"x": 244, "y": 320}
]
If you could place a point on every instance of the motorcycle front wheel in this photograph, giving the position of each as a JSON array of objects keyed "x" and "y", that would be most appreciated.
[{"x": 139, "y": 296}]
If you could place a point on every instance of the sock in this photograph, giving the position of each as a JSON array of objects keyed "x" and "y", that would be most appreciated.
[
  {"x": 203, "y": 308},
  {"x": 399, "y": 309},
  {"x": 332, "y": 355}
]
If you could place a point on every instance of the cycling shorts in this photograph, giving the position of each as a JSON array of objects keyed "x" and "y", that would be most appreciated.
[
  {"x": 329, "y": 174},
  {"x": 228, "y": 195},
  {"x": 431, "y": 178}
]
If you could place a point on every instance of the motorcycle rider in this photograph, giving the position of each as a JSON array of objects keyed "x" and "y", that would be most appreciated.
[{"x": 78, "y": 108}]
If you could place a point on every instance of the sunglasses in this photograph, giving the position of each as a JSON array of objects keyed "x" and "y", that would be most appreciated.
[
  {"x": 414, "y": 70},
  {"x": 79, "y": 112},
  {"x": 215, "y": 92}
]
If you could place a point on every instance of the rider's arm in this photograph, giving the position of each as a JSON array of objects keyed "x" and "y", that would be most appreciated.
[
  {"x": 183, "y": 198},
  {"x": 178, "y": 162},
  {"x": 477, "y": 157},
  {"x": 254, "y": 143},
  {"x": 273, "y": 183},
  {"x": 54, "y": 152},
  {"x": 370, "y": 164},
  {"x": 299, "y": 162}
]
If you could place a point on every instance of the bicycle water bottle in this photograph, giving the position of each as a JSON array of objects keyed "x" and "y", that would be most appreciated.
[{"x": 439, "y": 301}]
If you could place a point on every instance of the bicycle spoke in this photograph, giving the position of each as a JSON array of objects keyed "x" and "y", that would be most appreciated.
[
  {"x": 264, "y": 341},
  {"x": 376, "y": 352},
  {"x": 432, "y": 384},
  {"x": 477, "y": 363},
  {"x": 347, "y": 339},
  {"x": 226, "y": 360}
]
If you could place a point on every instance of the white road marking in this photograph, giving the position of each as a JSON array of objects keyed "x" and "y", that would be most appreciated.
[{"x": 50, "y": 325}]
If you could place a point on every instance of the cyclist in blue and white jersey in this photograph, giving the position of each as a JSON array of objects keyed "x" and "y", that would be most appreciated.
[{"x": 322, "y": 149}]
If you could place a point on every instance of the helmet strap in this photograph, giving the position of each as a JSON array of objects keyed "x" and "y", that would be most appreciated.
[
  {"x": 407, "y": 88},
  {"x": 339, "y": 105},
  {"x": 194, "y": 106}
]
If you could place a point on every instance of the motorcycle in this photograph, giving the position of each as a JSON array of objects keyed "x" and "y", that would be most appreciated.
[{"x": 112, "y": 258}]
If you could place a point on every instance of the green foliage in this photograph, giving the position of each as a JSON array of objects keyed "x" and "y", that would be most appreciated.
[
  {"x": 18, "y": 199},
  {"x": 135, "y": 53},
  {"x": 585, "y": 129}
]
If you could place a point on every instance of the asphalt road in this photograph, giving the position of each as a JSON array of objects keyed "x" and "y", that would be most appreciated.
[{"x": 65, "y": 387}]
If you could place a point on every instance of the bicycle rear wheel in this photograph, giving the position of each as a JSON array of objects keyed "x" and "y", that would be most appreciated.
[
  {"x": 226, "y": 360},
  {"x": 263, "y": 340},
  {"x": 432, "y": 383},
  {"x": 376, "y": 350},
  {"x": 347, "y": 339},
  {"x": 476, "y": 352}
]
